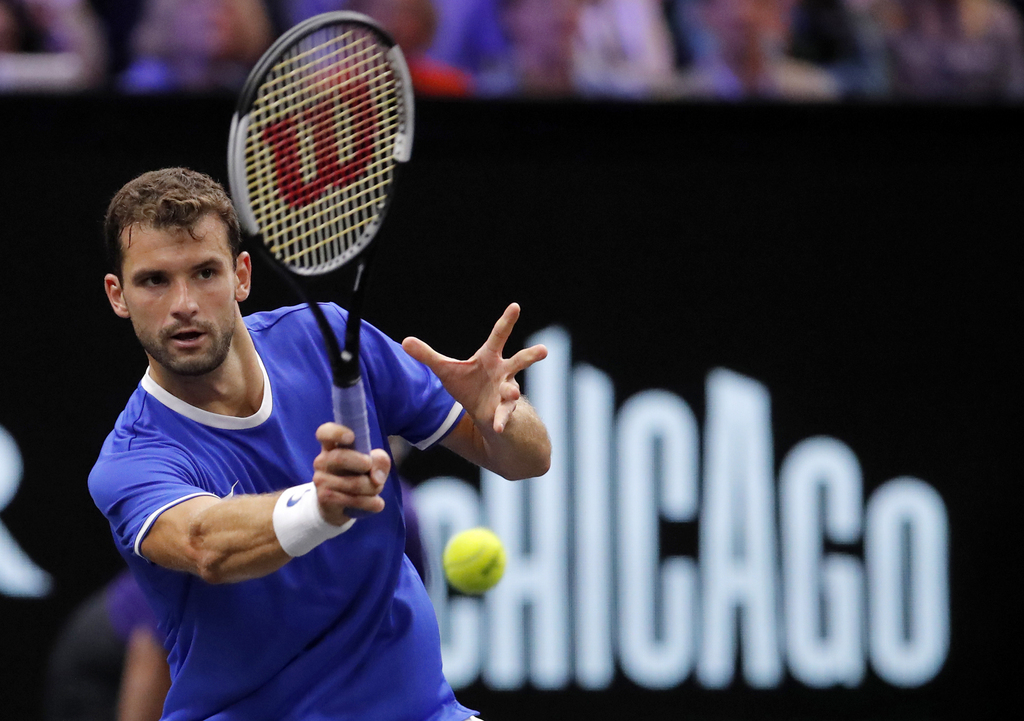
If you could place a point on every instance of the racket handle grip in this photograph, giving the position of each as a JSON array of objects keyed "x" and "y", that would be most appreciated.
[{"x": 350, "y": 411}]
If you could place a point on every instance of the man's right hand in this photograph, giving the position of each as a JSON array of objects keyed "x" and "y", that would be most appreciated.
[{"x": 345, "y": 478}]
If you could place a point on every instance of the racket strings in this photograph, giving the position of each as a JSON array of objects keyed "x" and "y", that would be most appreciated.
[
  {"x": 378, "y": 168},
  {"x": 300, "y": 77},
  {"x": 320, "y": 148},
  {"x": 267, "y": 169},
  {"x": 355, "y": 130},
  {"x": 309, "y": 241}
]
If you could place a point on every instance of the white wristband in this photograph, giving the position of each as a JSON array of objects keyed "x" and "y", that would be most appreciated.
[{"x": 298, "y": 523}]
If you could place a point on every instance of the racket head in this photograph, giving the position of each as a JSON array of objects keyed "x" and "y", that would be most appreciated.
[{"x": 321, "y": 124}]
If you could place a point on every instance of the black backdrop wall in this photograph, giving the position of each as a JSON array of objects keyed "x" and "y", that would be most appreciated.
[{"x": 857, "y": 265}]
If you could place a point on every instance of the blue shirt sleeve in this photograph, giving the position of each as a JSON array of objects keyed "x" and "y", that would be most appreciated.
[
  {"x": 133, "y": 489},
  {"x": 410, "y": 400}
]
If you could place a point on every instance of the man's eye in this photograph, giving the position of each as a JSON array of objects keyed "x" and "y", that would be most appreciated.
[
  {"x": 152, "y": 280},
  {"x": 207, "y": 273}
]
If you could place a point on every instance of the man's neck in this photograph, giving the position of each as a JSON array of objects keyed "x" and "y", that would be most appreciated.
[{"x": 233, "y": 389}]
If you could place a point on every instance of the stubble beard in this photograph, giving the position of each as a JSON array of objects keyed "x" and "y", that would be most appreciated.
[{"x": 191, "y": 365}]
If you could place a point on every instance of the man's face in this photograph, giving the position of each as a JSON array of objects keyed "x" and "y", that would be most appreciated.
[{"x": 181, "y": 294}]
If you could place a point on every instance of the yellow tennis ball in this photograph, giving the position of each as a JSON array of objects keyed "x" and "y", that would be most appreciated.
[{"x": 474, "y": 560}]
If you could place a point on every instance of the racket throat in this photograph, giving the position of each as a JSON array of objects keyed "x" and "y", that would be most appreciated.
[
  {"x": 346, "y": 370},
  {"x": 344, "y": 362}
]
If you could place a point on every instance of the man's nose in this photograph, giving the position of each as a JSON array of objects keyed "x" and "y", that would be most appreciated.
[{"x": 184, "y": 303}]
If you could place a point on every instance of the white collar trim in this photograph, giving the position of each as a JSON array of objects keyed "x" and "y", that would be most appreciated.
[{"x": 214, "y": 420}]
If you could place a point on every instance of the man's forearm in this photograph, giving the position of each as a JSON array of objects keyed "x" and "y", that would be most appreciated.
[
  {"x": 236, "y": 541},
  {"x": 226, "y": 540},
  {"x": 521, "y": 450},
  {"x": 220, "y": 540}
]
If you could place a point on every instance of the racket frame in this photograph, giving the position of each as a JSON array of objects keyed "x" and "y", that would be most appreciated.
[{"x": 348, "y": 394}]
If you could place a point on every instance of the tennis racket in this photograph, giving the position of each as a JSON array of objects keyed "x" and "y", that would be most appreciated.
[{"x": 321, "y": 126}]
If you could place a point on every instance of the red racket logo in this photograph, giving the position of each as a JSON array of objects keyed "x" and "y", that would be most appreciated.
[{"x": 323, "y": 120}]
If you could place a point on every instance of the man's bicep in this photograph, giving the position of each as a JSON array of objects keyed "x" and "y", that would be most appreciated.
[{"x": 168, "y": 542}]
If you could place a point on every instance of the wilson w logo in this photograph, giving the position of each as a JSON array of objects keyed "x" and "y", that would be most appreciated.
[{"x": 323, "y": 122}]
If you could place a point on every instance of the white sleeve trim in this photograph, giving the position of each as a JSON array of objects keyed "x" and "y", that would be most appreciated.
[
  {"x": 453, "y": 415},
  {"x": 144, "y": 531}
]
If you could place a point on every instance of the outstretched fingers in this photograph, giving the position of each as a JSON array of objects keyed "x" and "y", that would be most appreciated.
[
  {"x": 526, "y": 358},
  {"x": 501, "y": 415},
  {"x": 509, "y": 391},
  {"x": 502, "y": 329},
  {"x": 508, "y": 396},
  {"x": 426, "y": 355}
]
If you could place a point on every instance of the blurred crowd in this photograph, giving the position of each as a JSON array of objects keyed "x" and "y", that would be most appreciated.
[{"x": 801, "y": 50}]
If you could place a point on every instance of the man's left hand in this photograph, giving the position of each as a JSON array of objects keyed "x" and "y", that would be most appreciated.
[{"x": 484, "y": 384}]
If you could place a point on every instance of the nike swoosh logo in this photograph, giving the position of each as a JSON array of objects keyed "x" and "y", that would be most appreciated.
[{"x": 295, "y": 499}]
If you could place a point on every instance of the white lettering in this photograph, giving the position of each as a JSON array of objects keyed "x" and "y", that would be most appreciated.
[
  {"x": 588, "y": 585},
  {"x": 820, "y": 497},
  {"x": 19, "y": 576},
  {"x": 657, "y": 442},
  {"x": 445, "y": 506},
  {"x": 906, "y": 547},
  {"x": 531, "y": 519},
  {"x": 737, "y": 540},
  {"x": 594, "y": 412}
]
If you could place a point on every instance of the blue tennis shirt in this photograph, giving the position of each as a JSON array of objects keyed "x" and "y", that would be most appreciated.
[{"x": 346, "y": 632}]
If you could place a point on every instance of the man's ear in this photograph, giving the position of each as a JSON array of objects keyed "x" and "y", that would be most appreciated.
[
  {"x": 243, "y": 276},
  {"x": 115, "y": 295}
]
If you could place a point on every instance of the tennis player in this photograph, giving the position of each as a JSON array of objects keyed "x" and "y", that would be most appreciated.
[{"x": 232, "y": 500}]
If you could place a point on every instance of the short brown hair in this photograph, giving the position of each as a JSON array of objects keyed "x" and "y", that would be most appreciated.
[{"x": 168, "y": 198}]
